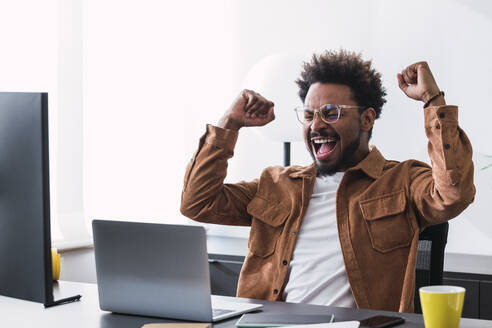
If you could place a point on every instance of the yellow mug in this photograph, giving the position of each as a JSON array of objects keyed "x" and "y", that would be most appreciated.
[
  {"x": 55, "y": 264},
  {"x": 442, "y": 305}
]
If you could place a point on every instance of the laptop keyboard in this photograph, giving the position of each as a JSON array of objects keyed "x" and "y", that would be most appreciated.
[{"x": 217, "y": 312}]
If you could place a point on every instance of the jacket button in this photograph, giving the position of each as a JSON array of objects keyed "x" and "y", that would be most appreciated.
[
  {"x": 284, "y": 262},
  {"x": 275, "y": 291},
  {"x": 442, "y": 115},
  {"x": 447, "y": 146}
]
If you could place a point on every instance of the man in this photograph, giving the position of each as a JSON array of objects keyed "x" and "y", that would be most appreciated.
[{"x": 344, "y": 230}]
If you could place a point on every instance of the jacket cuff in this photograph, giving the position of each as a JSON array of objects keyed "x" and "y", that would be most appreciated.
[
  {"x": 221, "y": 138},
  {"x": 438, "y": 115}
]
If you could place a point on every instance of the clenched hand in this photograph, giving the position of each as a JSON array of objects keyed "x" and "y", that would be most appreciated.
[
  {"x": 248, "y": 109},
  {"x": 417, "y": 82}
]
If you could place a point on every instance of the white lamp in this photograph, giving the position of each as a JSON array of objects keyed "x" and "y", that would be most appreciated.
[{"x": 274, "y": 78}]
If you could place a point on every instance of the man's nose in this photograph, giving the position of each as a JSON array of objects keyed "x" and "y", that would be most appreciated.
[{"x": 318, "y": 123}]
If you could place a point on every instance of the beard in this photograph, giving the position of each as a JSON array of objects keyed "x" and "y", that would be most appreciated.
[{"x": 346, "y": 159}]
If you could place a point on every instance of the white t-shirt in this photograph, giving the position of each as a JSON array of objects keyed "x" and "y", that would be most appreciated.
[{"x": 317, "y": 271}]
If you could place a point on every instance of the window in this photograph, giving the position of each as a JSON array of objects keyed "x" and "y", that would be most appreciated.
[{"x": 154, "y": 73}]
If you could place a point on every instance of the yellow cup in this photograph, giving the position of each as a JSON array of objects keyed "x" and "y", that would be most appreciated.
[
  {"x": 55, "y": 264},
  {"x": 442, "y": 306}
]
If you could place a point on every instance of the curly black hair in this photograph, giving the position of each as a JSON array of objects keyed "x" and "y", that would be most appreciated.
[{"x": 347, "y": 68}]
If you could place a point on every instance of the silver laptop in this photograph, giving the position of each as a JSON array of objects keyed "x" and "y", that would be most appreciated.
[{"x": 157, "y": 270}]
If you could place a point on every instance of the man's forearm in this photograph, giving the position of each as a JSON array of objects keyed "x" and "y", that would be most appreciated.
[
  {"x": 227, "y": 123},
  {"x": 205, "y": 197},
  {"x": 446, "y": 190}
]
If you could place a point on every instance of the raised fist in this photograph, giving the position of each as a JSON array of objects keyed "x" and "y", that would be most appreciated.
[
  {"x": 248, "y": 109},
  {"x": 417, "y": 82}
]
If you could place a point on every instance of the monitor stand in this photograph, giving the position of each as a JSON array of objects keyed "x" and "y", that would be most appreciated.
[{"x": 50, "y": 302}]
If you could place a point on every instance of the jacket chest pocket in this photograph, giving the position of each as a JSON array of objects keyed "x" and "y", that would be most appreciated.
[
  {"x": 266, "y": 225},
  {"x": 387, "y": 221}
]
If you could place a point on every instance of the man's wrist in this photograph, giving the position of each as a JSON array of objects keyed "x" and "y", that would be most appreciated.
[
  {"x": 438, "y": 101},
  {"x": 427, "y": 95},
  {"x": 226, "y": 123}
]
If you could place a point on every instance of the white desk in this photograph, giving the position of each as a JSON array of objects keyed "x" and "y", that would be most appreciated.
[{"x": 16, "y": 313}]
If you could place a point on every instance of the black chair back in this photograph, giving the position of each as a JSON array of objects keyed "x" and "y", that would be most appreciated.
[{"x": 430, "y": 259}]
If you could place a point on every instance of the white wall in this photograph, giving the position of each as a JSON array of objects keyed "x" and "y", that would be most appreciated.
[
  {"x": 453, "y": 36},
  {"x": 137, "y": 44},
  {"x": 130, "y": 54},
  {"x": 134, "y": 90}
]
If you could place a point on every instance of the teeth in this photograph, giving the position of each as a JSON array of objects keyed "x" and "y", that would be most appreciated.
[{"x": 320, "y": 141}]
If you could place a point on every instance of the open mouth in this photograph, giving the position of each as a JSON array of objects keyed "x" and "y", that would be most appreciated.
[{"x": 323, "y": 146}]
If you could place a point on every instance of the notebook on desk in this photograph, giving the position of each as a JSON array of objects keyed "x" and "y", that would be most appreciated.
[
  {"x": 282, "y": 320},
  {"x": 157, "y": 270}
]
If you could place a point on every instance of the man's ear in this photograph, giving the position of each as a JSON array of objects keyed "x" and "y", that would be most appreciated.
[{"x": 367, "y": 119}]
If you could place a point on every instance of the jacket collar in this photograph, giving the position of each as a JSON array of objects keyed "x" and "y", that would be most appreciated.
[
  {"x": 372, "y": 165},
  {"x": 303, "y": 171}
]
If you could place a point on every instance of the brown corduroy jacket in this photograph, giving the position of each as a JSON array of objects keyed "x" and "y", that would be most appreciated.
[{"x": 381, "y": 207}]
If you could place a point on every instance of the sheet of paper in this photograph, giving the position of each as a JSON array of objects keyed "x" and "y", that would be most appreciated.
[
  {"x": 177, "y": 325},
  {"x": 342, "y": 324}
]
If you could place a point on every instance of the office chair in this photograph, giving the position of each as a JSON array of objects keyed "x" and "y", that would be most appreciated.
[{"x": 430, "y": 259}]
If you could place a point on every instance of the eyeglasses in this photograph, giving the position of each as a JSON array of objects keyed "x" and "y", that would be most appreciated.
[{"x": 329, "y": 113}]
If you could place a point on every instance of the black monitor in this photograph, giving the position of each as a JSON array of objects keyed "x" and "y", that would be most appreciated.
[{"x": 25, "y": 236}]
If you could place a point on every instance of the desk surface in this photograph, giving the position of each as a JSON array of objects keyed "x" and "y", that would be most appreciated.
[{"x": 86, "y": 313}]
